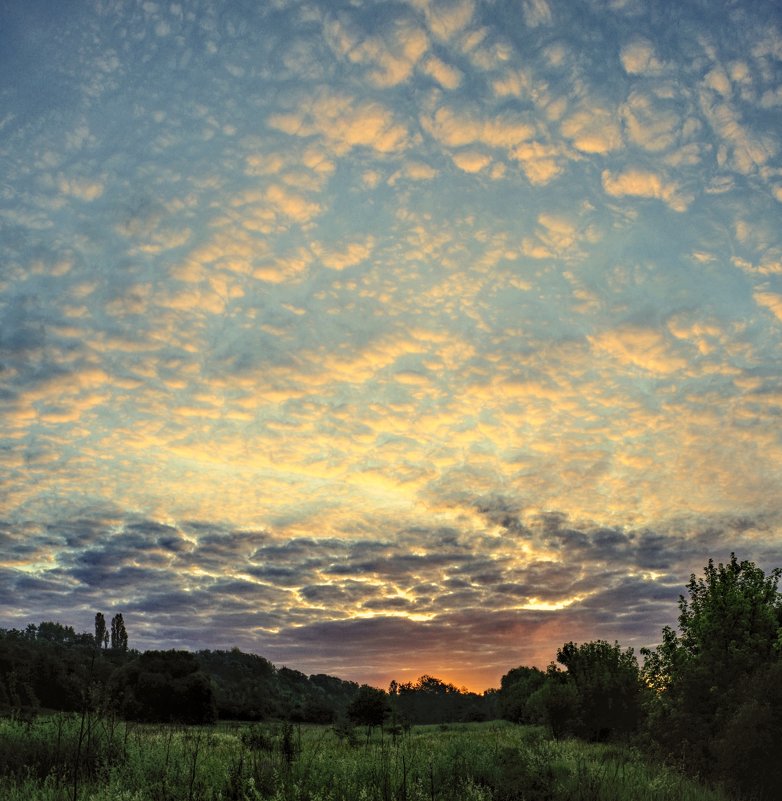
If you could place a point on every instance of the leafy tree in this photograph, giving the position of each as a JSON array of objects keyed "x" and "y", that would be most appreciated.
[
  {"x": 55, "y": 633},
  {"x": 119, "y": 637},
  {"x": 608, "y": 685},
  {"x": 718, "y": 674},
  {"x": 732, "y": 619},
  {"x": 245, "y": 685},
  {"x": 164, "y": 686},
  {"x": 516, "y": 688},
  {"x": 431, "y": 700},
  {"x": 556, "y": 703},
  {"x": 369, "y": 708}
]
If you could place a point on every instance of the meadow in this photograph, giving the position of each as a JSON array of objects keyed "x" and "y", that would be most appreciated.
[{"x": 64, "y": 757}]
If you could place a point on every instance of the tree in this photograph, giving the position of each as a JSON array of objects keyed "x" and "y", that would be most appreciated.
[
  {"x": 164, "y": 686},
  {"x": 516, "y": 688},
  {"x": 369, "y": 708},
  {"x": 432, "y": 700},
  {"x": 556, "y": 703},
  {"x": 608, "y": 685},
  {"x": 732, "y": 619},
  {"x": 720, "y": 673},
  {"x": 119, "y": 637},
  {"x": 56, "y": 633},
  {"x": 101, "y": 634}
]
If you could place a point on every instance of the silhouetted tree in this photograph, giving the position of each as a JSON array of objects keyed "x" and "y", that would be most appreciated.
[
  {"x": 556, "y": 703},
  {"x": 164, "y": 686},
  {"x": 101, "y": 633},
  {"x": 432, "y": 700},
  {"x": 56, "y": 633},
  {"x": 516, "y": 688},
  {"x": 119, "y": 637},
  {"x": 608, "y": 685},
  {"x": 369, "y": 708}
]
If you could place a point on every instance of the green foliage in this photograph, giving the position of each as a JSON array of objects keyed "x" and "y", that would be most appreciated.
[
  {"x": 164, "y": 686},
  {"x": 431, "y": 700},
  {"x": 556, "y": 704},
  {"x": 718, "y": 702},
  {"x": 598, "y": 697},
  {"x": 47, "y": 666},
  {"x": 245, "y": 685},
  {"x": 608, "y": 688},
  {"x": 56, "y": 633},
  {"x": 369, "y": 708},
  {"x": 517, "y": 686},
  {"x": 466, "y": 762},
  {"x": 249, "y": 687}
]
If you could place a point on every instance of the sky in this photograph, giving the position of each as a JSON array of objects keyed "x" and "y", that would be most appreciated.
[{"x": 387, "y": 338}]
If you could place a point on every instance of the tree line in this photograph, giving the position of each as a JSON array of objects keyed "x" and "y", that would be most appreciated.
[
  {"x": 708, "y": 697},
  {"x": 52, "y": 667}
]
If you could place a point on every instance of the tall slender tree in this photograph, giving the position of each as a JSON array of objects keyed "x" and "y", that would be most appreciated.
[
  {"x": 101, "y": 634},
  {"x": 119, "y": 637}
]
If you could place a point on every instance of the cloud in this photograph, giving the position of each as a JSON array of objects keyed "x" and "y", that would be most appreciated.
[
  {"x": 639, "y": 58},
  {"x": 86, "y": 189},
  {"x": 371, "y": 313},
  {"x": 344, "y": 122},
  {"x": 447, "y": 76},
  {"x": 293, "y": 600},
  {"x": 536, "y": 13},
  {"x": 541, "y": 162},
  {"x": 557, "y": 236},
  {"x": 644, "y": 183},
  {"x": 471, "y": 161},
  {"x": 339, "y": 259},
  {"x": 392, "y": 56},
  {"x": 413, "y": 171},
  {"x": 650, "y": 123},
  {"x": 510, "y": 132},
  {"x": 446, "y": 18},
  {"x": 634, "y": 346},
  {"x": 456, "y": 128},
  {"x": 514, "y": 83},
  {"x": 593, "y": 130},
  {"x": 291, "y": 204},
  {"x": 771, "y": 300},
  {"x": 744, "y": 149},
  {"x": 717, "y": 79}
]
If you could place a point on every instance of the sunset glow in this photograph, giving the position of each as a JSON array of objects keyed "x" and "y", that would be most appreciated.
[{"x": 387, "y": 338}]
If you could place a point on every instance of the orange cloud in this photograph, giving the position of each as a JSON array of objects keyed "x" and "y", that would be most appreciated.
[
  {"x": 646, "y": 348},
  {"x": 644, "y": 183}
]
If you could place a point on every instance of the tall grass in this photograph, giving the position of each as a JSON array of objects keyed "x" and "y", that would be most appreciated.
[{"x": 42, "y": 761}]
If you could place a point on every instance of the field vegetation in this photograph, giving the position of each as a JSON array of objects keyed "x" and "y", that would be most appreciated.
[{"x": 59, "y": 757}]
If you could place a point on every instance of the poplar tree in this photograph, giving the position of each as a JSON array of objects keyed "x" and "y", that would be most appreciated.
[
  {"x": 119, "y": 637},
  {"x": 101, "y": 634}
]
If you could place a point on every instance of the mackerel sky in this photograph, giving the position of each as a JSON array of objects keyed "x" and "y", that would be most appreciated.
[{"x": 383, "y": 338}]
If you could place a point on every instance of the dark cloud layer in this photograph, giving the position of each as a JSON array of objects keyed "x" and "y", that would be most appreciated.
[{"x": 358, "y": 608}]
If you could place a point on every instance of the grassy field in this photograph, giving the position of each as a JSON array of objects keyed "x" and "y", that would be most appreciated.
[{"x": 61, "y": 757}]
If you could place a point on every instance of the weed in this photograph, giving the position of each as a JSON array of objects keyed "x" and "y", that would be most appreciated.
[{"x": 466, "y": 762}]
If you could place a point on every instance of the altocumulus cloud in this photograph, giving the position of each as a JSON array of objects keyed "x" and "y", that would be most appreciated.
[{"x": 383, "y": 339}]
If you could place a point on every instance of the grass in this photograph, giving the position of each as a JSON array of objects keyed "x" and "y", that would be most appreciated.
[{"x": 63, "y": 758}]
